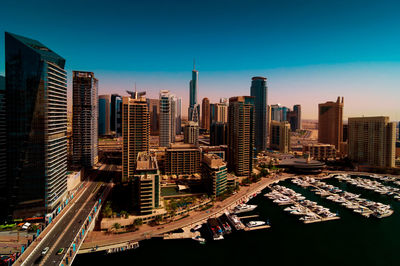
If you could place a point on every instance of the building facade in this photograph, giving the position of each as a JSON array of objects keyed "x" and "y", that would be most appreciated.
[
  {"x": 205, "y": 114},
  {"x": 372, "y": 141},
  {"x": 154, "y": 109},
  {"x": 280, "y": 136},
  {"x": 241, "y": 134},
  {"x": 194, "y": 107},
  {"x": 104, "y": 115},
  {"x": 3, "y": 146},
  {"x": 191, "y": 133},
  {"x": 146, "y": 184},
  {"x": 36, "y": 118},
  {"x": 330, "y": 123},
  {"x": 219, "y": 134},
  {"x": 320, "y": 152},
  {"x": 116, "y": 115},
  {"x": 258, "y": 90},
  {"x": 135, "y": 133},
  {"x": 84, "y": 119},
  {"x": 215, "y": 173},
  {"x": 294, "y": 118},
  {"x": 167, "y": 118},
  {"x": 178, "y": 115},
  {"x": 182, "y": 159}
]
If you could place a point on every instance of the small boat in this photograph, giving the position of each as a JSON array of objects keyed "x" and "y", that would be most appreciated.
[
  {"x": 197, "y": 227},
  {"x": 199, "y": 239}
]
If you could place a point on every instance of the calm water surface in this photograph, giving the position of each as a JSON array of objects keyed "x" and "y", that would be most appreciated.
[{"x": 351, "y": 240}]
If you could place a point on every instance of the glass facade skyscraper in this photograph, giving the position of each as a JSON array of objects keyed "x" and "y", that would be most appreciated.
[
  {"x": 194, "y": 107},
  {"x": 259, "y": 91},
  {"x": 36, "y": 117},
  {"x": 104, "y": 115},
  {"x": 85, "y": 119},
  {"x": 116, "y": 114}
]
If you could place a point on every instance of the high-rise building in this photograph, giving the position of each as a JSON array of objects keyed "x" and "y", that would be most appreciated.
[
  {"x": 182, "y": 159},
  {"x": 36, "y": 115},
  {"x": 167, "y": 118},
  {"x": 3, "y": 147},
  {"x": 116, "y": 114},
  {"x": 194, "y": 107},
  {"x": 205, "y": 114},
  {"x": 191, "y": 133},
  {"x": 146, "y": 184},
  {"x": 154, "y": 109},
  {"x": 219, "y": 134},
  {"x": 284, "y": 111},
  {"x": 276, "y": 112},
  {"x": 241, "y": 127},
  {"x": 84, "y": 119},
  {"x": 104, "y": 115},
  {"x": 280, "y": 136},
  {"x": 294, "y": 118},
  {"x": 320, "y": 151},
  {"x": 178, "y": 115},
  {"x": 258, "y": 90},
  {"x": 372, "y": 141},
  {"x": 135, "y": 133},
  {"x": 215, "y": 173},
  {"x": 330, "y": 123}
]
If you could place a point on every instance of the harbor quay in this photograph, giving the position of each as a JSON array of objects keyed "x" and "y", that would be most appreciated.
[{"x": 96, "y": 240}]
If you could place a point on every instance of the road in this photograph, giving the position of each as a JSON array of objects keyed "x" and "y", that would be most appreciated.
[{"x": 66, "y": 229}]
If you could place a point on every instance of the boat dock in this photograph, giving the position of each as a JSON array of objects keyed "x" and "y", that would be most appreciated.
[
  {"x": 257, "y": 227},
  {"x": 348, "y": 200},
  {"x": 184, "y": 235},
  {"x": 311, "y": 212}
]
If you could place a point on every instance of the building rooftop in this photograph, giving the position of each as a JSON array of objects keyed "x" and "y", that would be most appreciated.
[
  {"x": 213, "y": 160},
  {"x": 146, "y": 162},
  {"x": 182, "y": 146}
]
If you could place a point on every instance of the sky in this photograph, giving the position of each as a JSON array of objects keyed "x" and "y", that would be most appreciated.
[{"x": 311, "y": 51}]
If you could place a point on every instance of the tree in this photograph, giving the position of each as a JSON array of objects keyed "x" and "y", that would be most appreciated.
[
  {"x": 158, "y": 219},
  {"x": 124, "y": 214},
  {"x": 116, "y": 226},
  {"x": 137, "y": 222}
]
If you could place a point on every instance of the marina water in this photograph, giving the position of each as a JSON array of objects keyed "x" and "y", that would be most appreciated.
[{"x": 351, "y": 240}]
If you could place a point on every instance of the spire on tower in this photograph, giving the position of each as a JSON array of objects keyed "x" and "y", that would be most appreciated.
[{"x": 194, "y": 64}]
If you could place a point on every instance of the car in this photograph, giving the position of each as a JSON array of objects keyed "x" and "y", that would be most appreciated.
[
  {"x": 60, "y": 251},
  {"x": 44, "y": 251}
]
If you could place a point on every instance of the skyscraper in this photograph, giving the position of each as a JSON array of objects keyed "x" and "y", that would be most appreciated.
[
  {"x": 218, "y": 134},
  {"x": 205, "y": 114},
  {"x": 276, "y": 112},
  {"x": 3, "y": 148},
  {"x": 135, "y": 133},
  {"x": 194, "y": 107},
  {"x": 36, "y": 90},
  {"x": 191, "y": 133},
  {"x": 372, "y": 141},
  {"x": 280, "y": 136},
  {"x": 104, "y": 115},
  {"x": 241, "y": 126},
  {"x": 259, "y": 91},
  {"x": 154, "y": 109},
  {"x": 84, "y": 119},
  {"x": 294, "y": 118},
  {"x": 116, "y": 114},
  {"x": 179, "y": 115},
  {"x": 330, "y": 123},
  {"x": 167, "y": 118}
]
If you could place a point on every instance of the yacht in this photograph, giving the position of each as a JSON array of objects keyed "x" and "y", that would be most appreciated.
[
  {"x": 244, "y": 208},
  {"x": 255, "y": 223},
  {"x": 218, "y": 237},
  {"x": 197, "y": 227}
]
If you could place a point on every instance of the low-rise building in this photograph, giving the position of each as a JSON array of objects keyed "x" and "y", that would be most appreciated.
[
  {"x": 182, "y": 159},
  {"x": 320, "y": 151}
]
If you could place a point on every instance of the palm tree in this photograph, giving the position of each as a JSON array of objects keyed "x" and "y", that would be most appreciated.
[{"x": 116, "y": 226}]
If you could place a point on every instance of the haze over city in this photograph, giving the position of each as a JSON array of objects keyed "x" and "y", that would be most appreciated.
[{"x": 310, "y": 51}]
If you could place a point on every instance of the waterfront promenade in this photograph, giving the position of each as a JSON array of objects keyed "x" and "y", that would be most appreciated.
[{"x": 102, "y": 239}]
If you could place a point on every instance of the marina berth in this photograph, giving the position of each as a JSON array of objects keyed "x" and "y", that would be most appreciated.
[{"x": 350, "y": 200}]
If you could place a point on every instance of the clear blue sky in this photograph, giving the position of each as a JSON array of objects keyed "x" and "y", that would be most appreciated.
[{"x": 310, "y": 51}]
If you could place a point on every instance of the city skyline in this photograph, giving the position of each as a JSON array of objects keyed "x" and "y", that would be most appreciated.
[{"x": 330, "y": 52}]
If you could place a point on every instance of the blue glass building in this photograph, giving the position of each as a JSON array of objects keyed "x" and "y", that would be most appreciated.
[
  {"x": 259, "y": 91},
  {"x": 36, "y": 118},
  {"x": 104, "y": 115}
]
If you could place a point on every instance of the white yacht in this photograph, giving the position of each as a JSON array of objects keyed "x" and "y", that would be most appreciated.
[
  {"x": 244, "y": 208},
  {"x": 255, "y": 223}
]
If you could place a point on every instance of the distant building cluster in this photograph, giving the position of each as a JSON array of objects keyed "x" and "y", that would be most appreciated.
[{"x": 217, "y": 137}]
